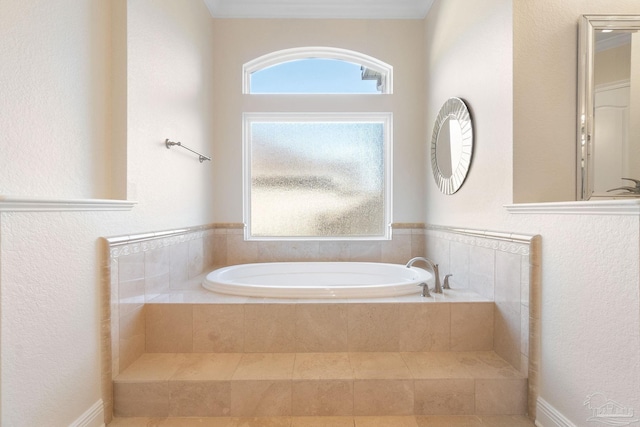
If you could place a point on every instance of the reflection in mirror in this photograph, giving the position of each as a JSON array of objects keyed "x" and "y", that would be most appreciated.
[
  {"x": 609, "y": 107},
  {"x": 451, "y": 145}
]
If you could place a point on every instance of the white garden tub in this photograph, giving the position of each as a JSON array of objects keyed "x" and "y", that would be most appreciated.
[{"x": 317, "y": 280}]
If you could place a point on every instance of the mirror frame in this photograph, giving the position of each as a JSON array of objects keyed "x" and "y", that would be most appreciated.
[
  {"x": 457, "y": 109},
  {"x": 587, "y": 27}
]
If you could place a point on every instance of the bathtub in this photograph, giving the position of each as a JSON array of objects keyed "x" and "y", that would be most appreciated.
[{"x": 317, "y": 280}]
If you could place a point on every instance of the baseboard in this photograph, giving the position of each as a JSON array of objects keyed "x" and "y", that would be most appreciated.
[
  {"x": 92, "y": 417},
  {"x": 548, "y": 416}
]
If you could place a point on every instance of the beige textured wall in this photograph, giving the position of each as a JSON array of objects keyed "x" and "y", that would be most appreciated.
[
  {"x": 169, "y": 87},
  {"x": 583, "y": 294},
  {"x": 468, "y": 54},
  {"x": 395, "y": 42},
  {"x": 545, "y": 43},
  {"x": 55, "y": 79},
  {"x": 56, "y": 102}
]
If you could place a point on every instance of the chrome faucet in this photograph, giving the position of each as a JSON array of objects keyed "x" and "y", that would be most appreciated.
[
  {"x": 425, "y": 290},
  {"x": 433, "y": 266},
  {"x": 445, "y": 285}
]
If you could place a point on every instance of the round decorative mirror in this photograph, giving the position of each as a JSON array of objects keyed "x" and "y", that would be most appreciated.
[{"x": 451, "y": 145}]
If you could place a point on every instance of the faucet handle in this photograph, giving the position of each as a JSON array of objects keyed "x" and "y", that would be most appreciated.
[
  {"x": 446, "y": 282},
  {"x": 425, "y": 289}
]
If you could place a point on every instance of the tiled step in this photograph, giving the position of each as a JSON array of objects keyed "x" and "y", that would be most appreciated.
[
  {"x": 319, "y": 384},
  {"x": 378, "y": 421},
  {"x": 439, "y": 324}
]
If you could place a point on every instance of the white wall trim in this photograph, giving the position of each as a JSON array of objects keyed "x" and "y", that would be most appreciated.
[
  {"x": 487, "y": 234},
  {"x": 92, "y": 417},
  {"x": 33, "y": 204},
  {"x": 548, "y": 416},
  {"x": 596, "y": 207}
]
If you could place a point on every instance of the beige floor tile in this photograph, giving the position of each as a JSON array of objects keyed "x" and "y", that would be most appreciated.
[
  {"x": 319, "y": 366},
  {"x": 408, "y": 421},
  {"x": 359, "y": 421},
  {"x": 379, "y": 366},
  {"x": 261, "y": 398},
  {"x": 321, "y": 327},
  {"x": 129, "y": 350},
  {"x": 199, "y": 398},
  {"x": 208, "y": 366},
  {"x": 148, "y": 399},
  {"x": 322, "y": 422},
  {"x": 449, "y": 421},
  {"x": 218, "y": 328},
  {"x": 191, "y": 422},
  {"x": 507, "y": 331},
  {"x": 501, "y": 396},
  {"x": 444, "y": 397},
  {"x": 265, "y": 366},
  {"x": 169, "y": 328},
  {"x": 129, "y": 337},
  {"x": 130, "y": 422},
  {"x": 433, "y": 365},
  {"x": 153, "y": 367},
  {"x": 506, "y": 421},
  {"x": 383, "y": 397},
  {"x": 486, "y": 364},
  {"x": 261, "y": 422},
  {"x": 373, "y": 327},
  {"x": 424, "y": 327},
  {"x": 269, "y": 328},
  {"x": 322, "y": 397},
  {"x": 471, "y": 326}
]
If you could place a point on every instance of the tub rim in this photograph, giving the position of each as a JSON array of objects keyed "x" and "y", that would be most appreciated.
[{"x": 405, "y": 286}]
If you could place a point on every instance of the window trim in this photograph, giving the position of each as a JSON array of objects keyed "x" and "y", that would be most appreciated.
[
  {"x": 298, "y": 53},
  {"x": 385, "y": 117}
]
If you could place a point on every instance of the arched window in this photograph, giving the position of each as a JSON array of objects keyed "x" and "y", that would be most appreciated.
[
  {"x": 317, "y": 70},
  {"x": 311, "y": 175}
]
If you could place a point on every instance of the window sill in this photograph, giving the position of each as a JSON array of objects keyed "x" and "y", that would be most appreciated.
[{"x": 34, "y": 204}]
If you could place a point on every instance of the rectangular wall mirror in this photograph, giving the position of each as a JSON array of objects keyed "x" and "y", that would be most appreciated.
[{"x": 608, "y": 146}]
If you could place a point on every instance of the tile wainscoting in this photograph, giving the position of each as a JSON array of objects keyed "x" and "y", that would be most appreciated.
[
  {"x": 505, "y": 268},
  {"x": 138, "y": 268}
]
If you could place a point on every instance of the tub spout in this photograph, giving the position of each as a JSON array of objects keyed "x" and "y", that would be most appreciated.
[{"x": 434, "y": 268}]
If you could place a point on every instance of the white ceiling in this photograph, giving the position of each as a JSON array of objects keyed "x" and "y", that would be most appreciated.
[{"x": 328, "y": 9}]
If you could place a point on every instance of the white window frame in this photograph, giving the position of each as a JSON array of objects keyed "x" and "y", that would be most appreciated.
[
  {"x": 378, "y": 117},
  {"x": 294, "y": 54}
]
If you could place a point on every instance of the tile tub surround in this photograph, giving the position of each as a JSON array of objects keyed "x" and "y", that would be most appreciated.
[
  {"x": 203, "y": 321},
  {"x": 142, "y": 267},
  {"x": 138, "y": 268},
  {"x": 231, "y": 248},
  {"x": 162, "y": 278},
  {"x": 505, "y": 268},
  {"x": 320, "y": 384}
]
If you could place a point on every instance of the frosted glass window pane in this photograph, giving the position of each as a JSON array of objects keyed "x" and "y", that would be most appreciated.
[
  {"x": 317, "y": 179},
  {"x": 313, "y": 75}
]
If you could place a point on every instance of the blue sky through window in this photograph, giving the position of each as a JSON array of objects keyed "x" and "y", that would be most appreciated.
[{"x": 312, "y": 76}]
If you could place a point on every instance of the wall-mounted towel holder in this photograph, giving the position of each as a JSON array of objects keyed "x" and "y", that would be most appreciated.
[{"x": 169, "y": 144}]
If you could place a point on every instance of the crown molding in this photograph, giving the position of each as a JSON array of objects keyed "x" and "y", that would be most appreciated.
[{"x": 316, "y": 9}]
